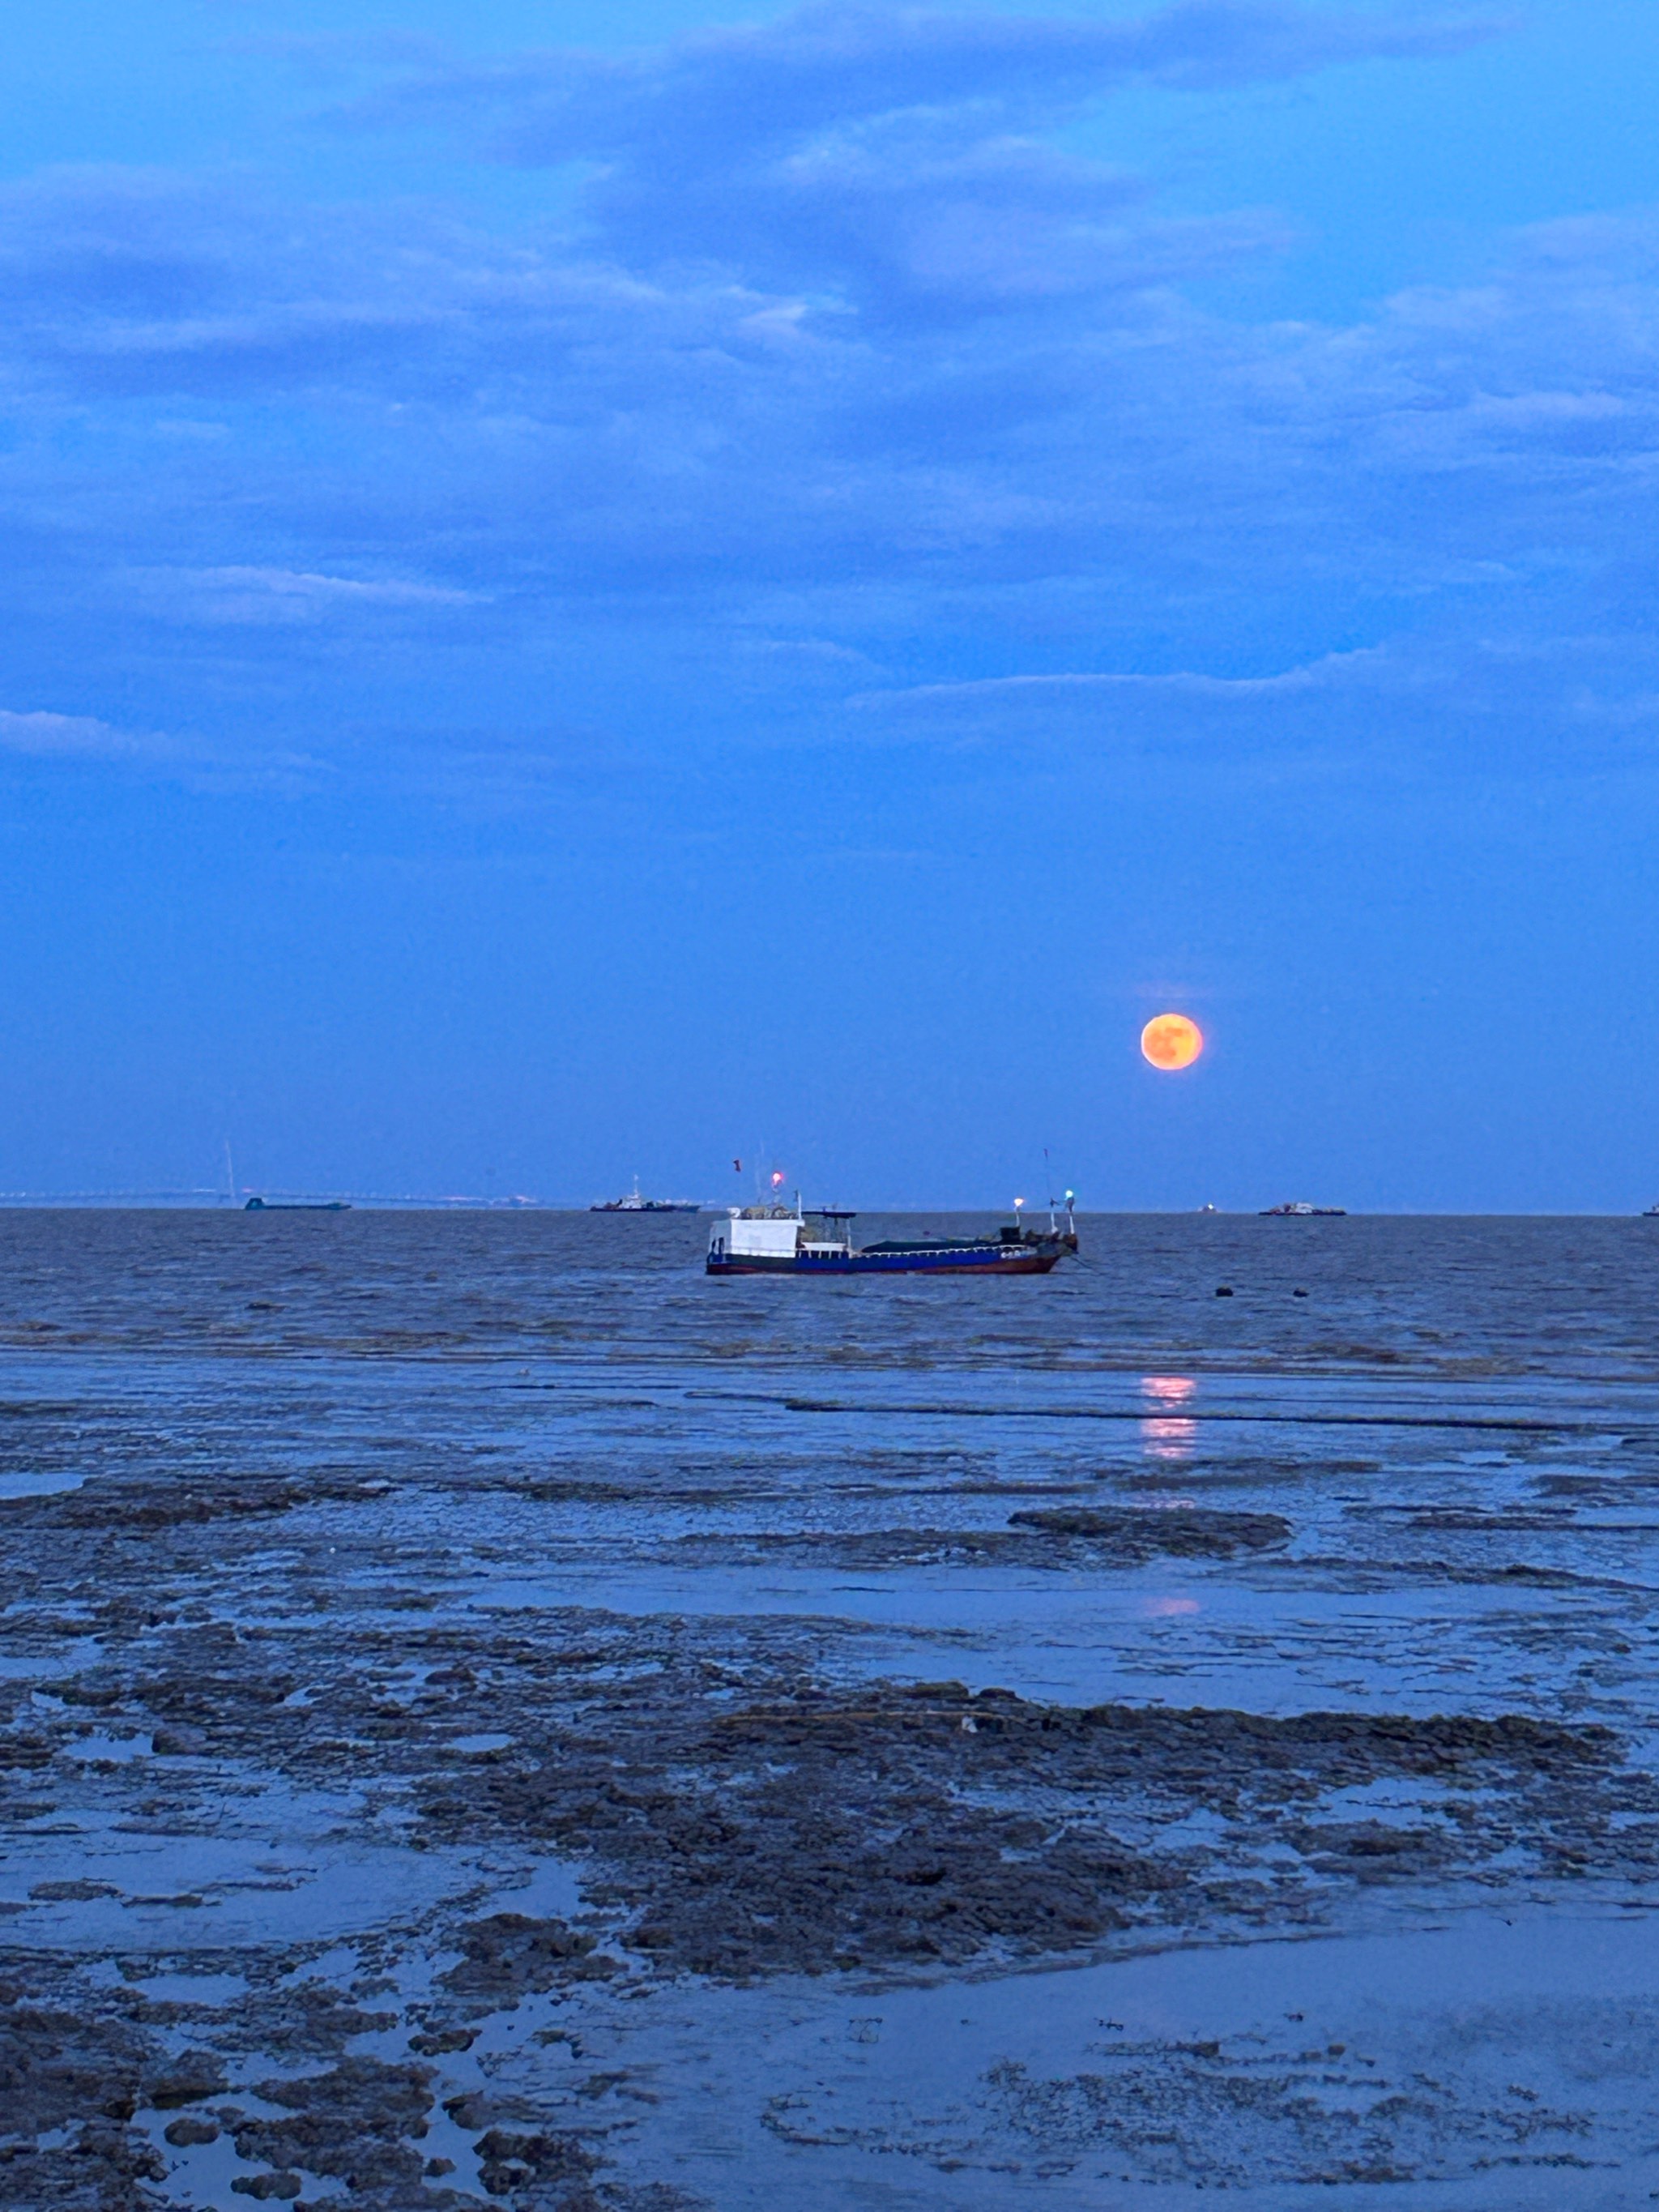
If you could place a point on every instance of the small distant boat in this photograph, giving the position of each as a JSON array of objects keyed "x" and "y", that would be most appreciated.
[
  {"x": 1650, "y": 1213},
  {"x": 783, "y": 1240},
  {"x": 634, "y": 1204},
  {"x": 1300, "y": 1205},
  {"x": 298, "y": 1206}
]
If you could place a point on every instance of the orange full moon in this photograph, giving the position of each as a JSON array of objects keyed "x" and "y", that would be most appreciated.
[{"x": 1171, "y": 1041}]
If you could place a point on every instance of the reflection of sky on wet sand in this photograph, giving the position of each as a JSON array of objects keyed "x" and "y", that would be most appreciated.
[
  {"x": 1239, "y": 2052},
  {"x": 1167, "y": 1436}
]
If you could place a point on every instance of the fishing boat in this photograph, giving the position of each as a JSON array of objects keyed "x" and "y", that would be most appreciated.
[
  {"x": 1301, "y": 1208},
  {"x": 634, "y": 1204},
  {"x": 784, "y": 1240}
]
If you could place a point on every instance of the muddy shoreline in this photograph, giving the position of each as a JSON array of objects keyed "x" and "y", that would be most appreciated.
[{"x": 413, "y": 1766}]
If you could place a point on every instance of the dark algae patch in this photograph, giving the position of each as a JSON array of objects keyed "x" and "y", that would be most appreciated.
[
  {"x": 358, "y": 2123},
  {"x": 929, "y": 1825},
  {"x": 1181, "y": 1532},
  {"x": 510, "y": 1955},
  {"x": 1056, "y": 1537}
]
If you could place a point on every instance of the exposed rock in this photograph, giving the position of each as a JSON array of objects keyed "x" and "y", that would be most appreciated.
[
  {"x": 190, "y": 2079},
  {"x": 184, "y": 2133}
]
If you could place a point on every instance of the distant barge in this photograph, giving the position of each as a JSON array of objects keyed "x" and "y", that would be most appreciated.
[
  {"x": 634, "y": 1204},
  {"x": 781, "y": 1240}
]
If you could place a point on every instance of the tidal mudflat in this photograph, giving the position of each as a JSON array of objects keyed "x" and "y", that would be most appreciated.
[{"x": 487, "y": 1717}]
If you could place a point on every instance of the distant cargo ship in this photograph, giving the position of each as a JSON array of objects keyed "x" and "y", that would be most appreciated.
[
  {"x": 634, "y": 1204},
  {"x": 1300, "y": 1205},
  {"x": 782, "y": 1240}
]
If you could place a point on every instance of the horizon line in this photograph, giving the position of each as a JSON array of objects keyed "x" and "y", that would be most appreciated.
[{"x": 201, "y": 1200}]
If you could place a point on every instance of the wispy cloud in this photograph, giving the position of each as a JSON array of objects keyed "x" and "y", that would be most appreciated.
[
  {"x": 256, "y": 595},
  {"x": 1330, "y": 668},
  {"x": 200, "y": 764},
  {"x": 47, "y": 736}
]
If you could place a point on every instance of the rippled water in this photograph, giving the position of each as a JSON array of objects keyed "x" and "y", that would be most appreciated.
[{"x": 1438, "y": 1298}]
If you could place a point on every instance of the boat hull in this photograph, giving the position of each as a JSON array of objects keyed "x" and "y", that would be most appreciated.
[{"x": 987, "y": 1259}]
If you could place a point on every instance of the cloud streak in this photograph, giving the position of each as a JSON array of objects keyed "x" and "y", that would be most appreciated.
[
  {"x": 45, "y": 736},
  {"x": 819, "y": 69},
  {"x": 1332, "y": 669},
  {"x": 257, "y": 596},
  {"x": 86, "y": 741}
]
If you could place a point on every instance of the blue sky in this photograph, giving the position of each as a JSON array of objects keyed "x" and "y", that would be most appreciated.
[{"x": 604, "y": 587}]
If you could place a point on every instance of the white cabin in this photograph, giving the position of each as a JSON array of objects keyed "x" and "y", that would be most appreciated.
[
  {"x": 757, "y": 1232},
  {"x": 777, "y": 1235}
]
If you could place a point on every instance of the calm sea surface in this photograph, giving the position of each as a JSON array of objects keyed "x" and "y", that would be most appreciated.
[{"x": 1426, "y": 1301}]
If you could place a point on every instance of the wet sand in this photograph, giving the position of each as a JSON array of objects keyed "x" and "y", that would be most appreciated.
[{"x": 489, "y": 1717}]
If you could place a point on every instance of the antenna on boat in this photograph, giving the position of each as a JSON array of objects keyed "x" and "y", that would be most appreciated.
[{"x": 230, "y": 1171}]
